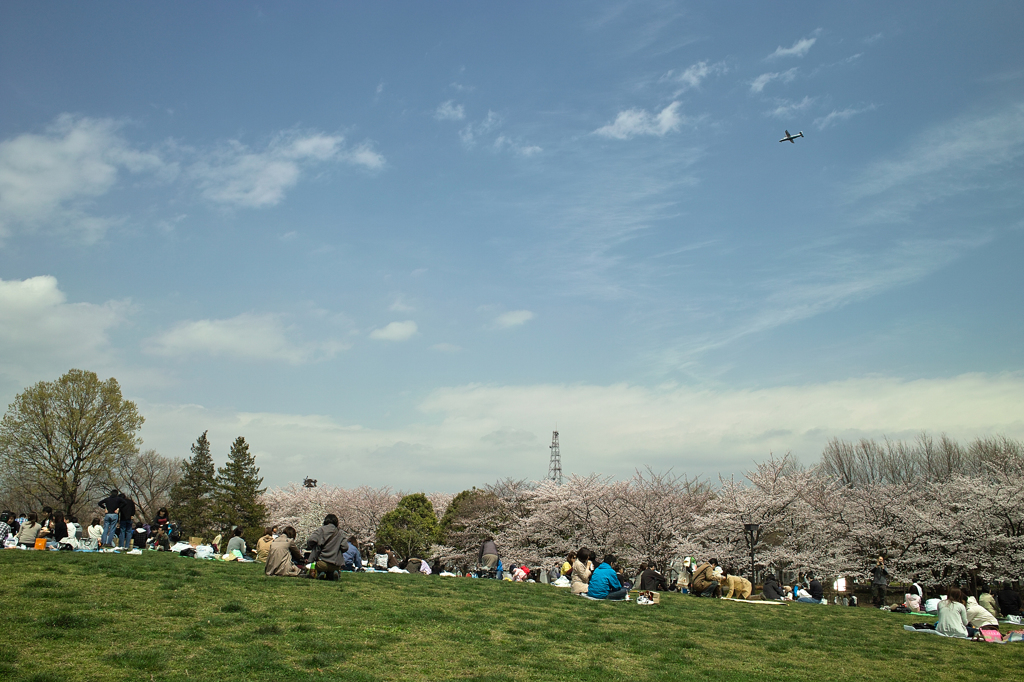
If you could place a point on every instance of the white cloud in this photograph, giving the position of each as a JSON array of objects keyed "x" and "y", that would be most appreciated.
[
  {"x": 239, "y": 176},
  {"x": 400, "y": 306},
  {"x": 947, "y": 159},
  {"x": 759, "y": 83},
  {"x": 472, "y": 132},
  {"x": 798, "y": 49},
  {"x": 633, "y": 122},
  {"x": 395, "y": 331},
  {"x": 513, "y": 318},
  {"x": 786, "y": 108},
  {"x": 694, "y": 74},
  {"x": 449, "y": 111},
  {"x": 836, "y": 115},
  {"x": 246, "y": 336},
  {"x": 468, "y": 432},
  {"x": 48, "y": 180},
  {"x": 41, "y": 333},
  {"x": 502, "y": 142}
]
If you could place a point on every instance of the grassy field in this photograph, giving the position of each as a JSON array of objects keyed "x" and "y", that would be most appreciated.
[{"x": 161, "y": 617}]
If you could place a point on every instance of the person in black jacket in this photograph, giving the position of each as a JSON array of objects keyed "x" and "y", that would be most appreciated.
[
  {"x": 879, "y": 583},
  {"x": 125, "y": 527},
  {"x": 1009, "y": 601},
  {"x": 109, "y": 504},
  {"x": 650, "y": 579},
  {"x": 817, "y": 592},
  {"x": 772, "y": 589}
]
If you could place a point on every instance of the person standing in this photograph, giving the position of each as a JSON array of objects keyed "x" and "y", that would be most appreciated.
[
  {"x": 109, "y": 505},
  {"x": 125, "y": 514},
  {"x": 879, "y": 583},
  {"x": 488, "y": 556}
]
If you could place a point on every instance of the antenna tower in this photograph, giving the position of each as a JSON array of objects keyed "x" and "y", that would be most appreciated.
[{"x": 555, "y": 465}]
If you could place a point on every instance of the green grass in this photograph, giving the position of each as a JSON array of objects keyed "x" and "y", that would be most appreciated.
[{"x": 157, "y": 616}]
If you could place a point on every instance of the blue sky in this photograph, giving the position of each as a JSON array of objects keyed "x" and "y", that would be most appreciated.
[{"x": 400, "y": 243}]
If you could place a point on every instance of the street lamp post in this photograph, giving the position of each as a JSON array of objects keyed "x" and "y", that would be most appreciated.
[{"x": 753, "y": 532}]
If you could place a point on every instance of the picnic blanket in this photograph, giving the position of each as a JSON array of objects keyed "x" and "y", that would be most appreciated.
[
  {"x": 587, "y": 596},
  {"x": 773, "y": 602},
  {"x": 911, "y": 628}
]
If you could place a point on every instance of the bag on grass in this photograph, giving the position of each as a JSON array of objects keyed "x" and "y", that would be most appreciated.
[
  {"x": 992, "y": 635},
  {"x": 40, "y": 543}
]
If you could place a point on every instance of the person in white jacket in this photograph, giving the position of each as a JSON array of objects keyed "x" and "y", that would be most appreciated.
[{"x": 979, "y": 617}]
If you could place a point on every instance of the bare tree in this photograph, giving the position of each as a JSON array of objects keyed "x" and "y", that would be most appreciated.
[{"x": 148, "y": 477}]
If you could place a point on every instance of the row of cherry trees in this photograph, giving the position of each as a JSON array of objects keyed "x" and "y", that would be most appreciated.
[{"x": 964, "y": 521}]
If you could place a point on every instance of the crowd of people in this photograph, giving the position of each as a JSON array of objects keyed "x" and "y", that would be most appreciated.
[
  {"x": 328, "y": 552},
  {"x": 118, "y": 526}
]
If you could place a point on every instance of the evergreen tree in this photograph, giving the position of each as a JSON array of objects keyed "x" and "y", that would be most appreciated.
[
  {"x": 410, "y": 528},
  {"x": 192, "y": 496},
  {"x": 239, "y": 495}
]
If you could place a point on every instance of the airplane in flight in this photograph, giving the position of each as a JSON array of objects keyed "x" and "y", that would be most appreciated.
[{"x": 791, "y": 138}]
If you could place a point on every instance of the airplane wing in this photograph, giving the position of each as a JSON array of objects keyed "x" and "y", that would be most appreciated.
[{"x": 787, "y": 134}]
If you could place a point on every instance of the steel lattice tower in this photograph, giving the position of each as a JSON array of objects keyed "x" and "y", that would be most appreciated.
[{"x": 555, "y": 465}]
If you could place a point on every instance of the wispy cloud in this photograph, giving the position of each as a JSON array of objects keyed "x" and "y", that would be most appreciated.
[
  {"x": 945, "y": 160},
  {"x": 247, "y": 336},
  {"x": 633, "y": 122},
  {"x": 49, "y": 180},
  {"x": 447, "y": 348},
  {"x": 449, "y": 111},
  {"x": 472, "y": 133},
  {"x": 837, "y": 115},
  {"x": 759, "y": 83},
  {"x": 240, "y": 176},
  {"x": 396, "y": 331},
  {"x": 694, "y": 75},
  {"x": 513, "y": 318},
  {"x": 785, "y": 108},
  {"x": 797, "y": 49},
  {"x": 503, "y": 142}
]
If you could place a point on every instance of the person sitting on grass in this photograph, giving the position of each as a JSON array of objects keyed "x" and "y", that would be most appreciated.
[
  {"x": 815, "y": 588},
  {"x": 604, "y": 583},
  {"x": 953, "y": 615},
  {"x": 987, "y": 600},
  {"x": 284, "y": 558},
  {"x": 566, "y": 569},
  {"x": 29, "y": 530},
  {"x": 772, "y": 590},
  {"x": 58, "y": 527},
  {"x": 703, "y": 583},
  {"x": 140, "y": 537},
  {"x": 352, "y": 558},
  {"x": 236, "y": 542},
  {"x": 1009, "y": 601},
  {"x": 325, "y": 545},
  {"x": 649, "y": 579},
  {"x": 582, "y": 568},
  {"x": 979, "y": 617},
  {"x": 263, "y": 545},
  {"x": 735, "y": 586},
  {"x": 95, "y": 531}
]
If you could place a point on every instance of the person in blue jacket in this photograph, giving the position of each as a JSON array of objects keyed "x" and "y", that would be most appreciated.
[
  {"x": 604, "y": 583},
  {"x": 353, "y": 558}
]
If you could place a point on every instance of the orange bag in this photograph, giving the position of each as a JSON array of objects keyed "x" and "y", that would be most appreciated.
[{"x": 40, "y": 543}]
